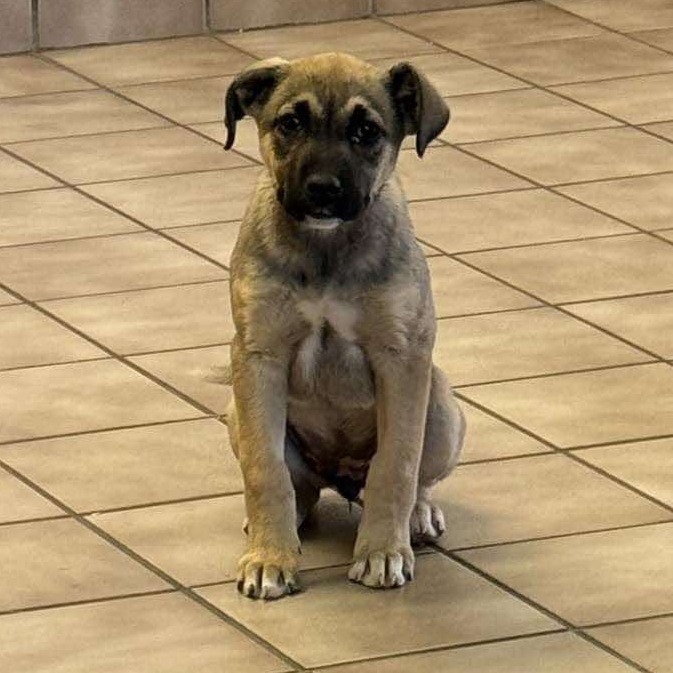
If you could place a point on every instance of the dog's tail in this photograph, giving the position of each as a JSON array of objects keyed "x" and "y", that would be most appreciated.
[{"x": 220, "y": 375}]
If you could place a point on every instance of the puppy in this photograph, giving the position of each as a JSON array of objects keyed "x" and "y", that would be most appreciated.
[{"x": 331, "y": 364}]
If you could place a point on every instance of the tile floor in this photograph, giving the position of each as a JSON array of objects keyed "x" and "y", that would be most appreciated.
[{"x": 546, "y": 212}]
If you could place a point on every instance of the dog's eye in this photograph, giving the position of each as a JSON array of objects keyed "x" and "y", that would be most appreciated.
[
  {"x": 366, "y": 133},
  {"x": 288, "y": 124}
]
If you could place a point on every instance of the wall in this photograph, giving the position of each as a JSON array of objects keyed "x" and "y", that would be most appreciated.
[{"x": 30, "y": 24}]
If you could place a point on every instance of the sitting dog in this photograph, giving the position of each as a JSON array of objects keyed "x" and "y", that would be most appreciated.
[{"x": 331, "y": 364}]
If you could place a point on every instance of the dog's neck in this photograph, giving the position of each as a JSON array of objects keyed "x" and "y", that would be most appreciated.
[{"x": 364, "y": 250}]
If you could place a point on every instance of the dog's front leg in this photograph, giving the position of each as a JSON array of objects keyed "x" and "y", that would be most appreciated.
[
  {"x": 269, "y": 566},
  {"x": 383, "y": 555}
]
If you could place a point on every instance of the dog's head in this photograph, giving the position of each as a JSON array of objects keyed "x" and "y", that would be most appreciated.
[{"x": 330, "y": 127}]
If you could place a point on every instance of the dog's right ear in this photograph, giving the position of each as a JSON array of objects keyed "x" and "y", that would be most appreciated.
[{"x": 250, "y": 91}]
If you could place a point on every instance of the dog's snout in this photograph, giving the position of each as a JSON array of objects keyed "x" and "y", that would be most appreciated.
[{"x": 323, "y": 189}]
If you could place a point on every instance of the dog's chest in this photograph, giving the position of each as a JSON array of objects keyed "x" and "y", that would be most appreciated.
[{"x": 328, "y": 361}]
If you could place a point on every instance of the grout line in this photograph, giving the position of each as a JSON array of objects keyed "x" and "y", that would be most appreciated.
[
  {"x": 535, "y": 244},
  {"x": 114, "y": 209},
  {"x": 610, "y": 29},
  {"x": 468, "y": 565},
  {"x": 631, "y": 620},
  {"x": 161, "y": 351},
  {"x": 556, "y": 536},
  {"x": 88, "y": 134},
  {"x": 133, "y": 290},
  {"x": 549, "y": 375},
  {"x": 562, "y": 451},
  {"x": 155, "y": 570},
  {"x": 617, "y": 442},
  {"x": 37, "y": 519},
  {"x": 441, "y": 648},
  {"x": 85, "y": 601},
  {"x": 119, "y": 358},
  {"x": 575, "y": 183},
  {"x": 545, "y": 88},
  {"x": 96, "y": 431},
  {"x": 104, "y": 87},
  {"x": 526, "y": 136},
  {"x": 159, "y": 503},
  {"x": 42, "y": 365}
]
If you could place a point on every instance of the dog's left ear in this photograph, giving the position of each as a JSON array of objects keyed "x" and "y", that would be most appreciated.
[
  {"x": 250, "y": 91},
  {"x": 422, "y": 110}
]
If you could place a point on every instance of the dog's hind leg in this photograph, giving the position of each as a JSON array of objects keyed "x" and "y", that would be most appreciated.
[
  {"x": 307, "y": 485},
  {"x": 444, "y": 433}
]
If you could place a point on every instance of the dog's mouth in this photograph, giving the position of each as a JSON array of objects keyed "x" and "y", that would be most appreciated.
[
  {"x": 322, "y": 217},
  {"x": 321, "y": 223}
]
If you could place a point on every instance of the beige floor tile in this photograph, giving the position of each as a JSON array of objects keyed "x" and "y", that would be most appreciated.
[
  {"x": 498, "y": 25},
  {"x": 662, "y": 37},
  {"x": 186, "y": 101},
  {"x": 149, "y": 633},
  {"x": 646, "y": 465},
  {"x": 125, "y": 468},
  {"x": 30, "y": 338},
  {"x": 458, "y": 290},
  {"x": 590, "y": 578},
  {"x": 488, "y": 438},
  {"x": 180, "y": 58},
  {"x": 575, "y": 60},
  {"x": 454, "y": 75},
  {"x": 366, "y": 623},
  {"x": 88, "y": 266},
  {"x": 646, "y": 321},
  {"x": 201, "y": 541},
  {"x": 26, "y": 75},
  {"x": 15, "y": 176},
  {"x": 580, "y": 156},
  {"x": 177, "y": 200},
  {"x": 478, "y": 349},
  {"x": 56, "y": 214},
  {"x": 445, "y": 171},
  {"x": 60, "y": 561},
  {"x": 668, "y": 234},
  {"x": 646, "y": 201},
  {"x": 564, "y": 272},
  {"x": 7, "y": 299},
  {"x": 622, "y": 14},
  {"x": 19, "y": 502},
  {"x": 365, "y": 39},
  {"x": 152, "y": 320},
  {"x": 80, "y": 397},
  {"x": 131, "y": 154},
  {"x": 646, "y": 642},
  {"x": 215, "y": 240},
  {"x": 556, "y": 653},
  {"x": 247, "y": 140},
  {"x": 70, "y": 114},
  {"x": 509, "y": 114},
  {"x": 509, "y": 219},
  {"x": 510, "y": 500},
  {"x": 194, "y": 372},
  {"x": 636, "y": 99},
  {"x": 592, "y": 407},
  {"x": 664, "y": 129}
]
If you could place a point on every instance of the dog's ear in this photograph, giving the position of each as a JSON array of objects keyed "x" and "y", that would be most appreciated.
[
  {"x": 250, "y": 91},
  {"x": 422, "y": 110}
]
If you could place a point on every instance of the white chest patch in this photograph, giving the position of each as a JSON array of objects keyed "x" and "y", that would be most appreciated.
[{"x": 341, "y": 315}]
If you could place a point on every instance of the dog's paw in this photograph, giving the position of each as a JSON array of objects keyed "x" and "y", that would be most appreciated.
[
  {"x": 384, "y": 569},
  {"x": 426, "y": 523},
  {"x": 267, "y": 574}
]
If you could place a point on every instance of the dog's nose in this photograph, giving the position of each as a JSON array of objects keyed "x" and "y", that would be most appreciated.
[{"x": 323, "y": 189}]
